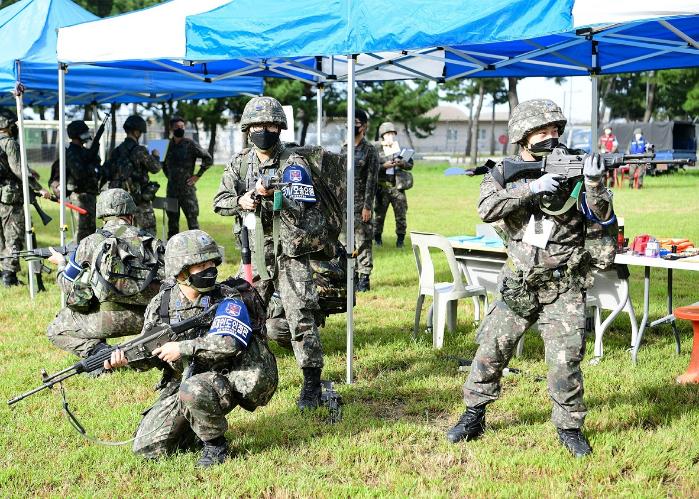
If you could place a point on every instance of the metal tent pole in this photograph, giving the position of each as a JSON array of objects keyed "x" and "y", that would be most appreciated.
[
  {"x": 594, "y": 117},
  {"x": 319, "y": 112},
  {"x": 28, "y": 228},
  {"x": 62, "y": 68},
  {"x": 350, "y": 215}
]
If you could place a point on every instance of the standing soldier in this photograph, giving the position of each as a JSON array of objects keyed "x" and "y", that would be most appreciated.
[
  {"x": 128, "y": 168},
  {"x": 366, "y": 172},
  {"x": 544, "y": 278},
  {"x": 81, "y": 177},
  {"x": 212, "y": 369},
  {"x": 286, "y": 225},
  {"x": 389, "y": 191},
  {"x": 607, "y": 144},
  {"x": 11, "y": 200},
  {"x": 178, "y": 165},
  {"x": 86, "y": 322},
  {"x": 638, "y": 145}
]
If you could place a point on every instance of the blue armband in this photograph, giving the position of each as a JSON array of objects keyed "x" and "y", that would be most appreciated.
[
  {"x": 298, "y": 184},
  {"x": 72, "y": 269},
  {"x": 232, "y": 319},
  {"x": 591, "y": 216}
]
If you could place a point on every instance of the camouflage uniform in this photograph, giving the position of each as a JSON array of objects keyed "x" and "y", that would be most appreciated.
[
  {"x": 366, "y": 164},
  {"x": 82, "y": 185},
  {"x": 291, "y": 275},
  {"x": 178, "y": 166},
  {"x": 545, "y": 285},
  {"x": 143, "y": 164},
  {"x": 387, "y": 194},
  {"x": 11, "y": 199},
  {"x": 224, "y": 376},
  {"x": 80, "y": 331}
]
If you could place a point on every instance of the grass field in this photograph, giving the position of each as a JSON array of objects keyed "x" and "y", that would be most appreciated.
[{"x": 642, "y": 426}]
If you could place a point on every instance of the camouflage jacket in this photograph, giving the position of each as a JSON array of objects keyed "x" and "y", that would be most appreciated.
[
  {"x": 88, "y": 248},
  {"x": 80, "y": 171},
  {"x": 181, "y": 158},
  {"x": 233, "y": 186},
  {"x": 366, "y": 174},
  {"x": 510, "y": 209},
  {"x": 384, "y": 176},
  {"x": 11, "y": 167},
  {"x": 143, "y": 162}
]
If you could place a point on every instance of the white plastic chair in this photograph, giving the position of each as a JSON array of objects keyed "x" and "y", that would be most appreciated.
[{"x": 444, "y": 294}]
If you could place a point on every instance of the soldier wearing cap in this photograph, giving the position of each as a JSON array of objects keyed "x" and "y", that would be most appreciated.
[
  {"x": 544, "y": 279},
  {"x": 81, "y": 177},
  {"x": 128, "y": 167},
  {"x": 389, "y": 192},
  {"x": 366, "y": 174},
  {"x": 285, "y": 226},
  {"x": 83, "y": 326},
  {"x": 12, "y": 227},
  {"x": 178, "y": 166},
  {"x": 213, "y": 369}
]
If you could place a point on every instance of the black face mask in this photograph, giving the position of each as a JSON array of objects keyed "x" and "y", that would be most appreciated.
[
  {"x": 204, "y": 280},
  {"x": 356, "y": 130},
  {"x": 544, "y": 147},
  {"x": 178, "y": 132},
  {"x": 265, "y": 139}
]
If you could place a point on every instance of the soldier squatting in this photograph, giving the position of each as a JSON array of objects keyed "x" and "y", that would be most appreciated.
[{"x": 211, "y": 370}]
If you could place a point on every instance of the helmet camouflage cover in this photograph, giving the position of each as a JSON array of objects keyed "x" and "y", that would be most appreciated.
[
  {"x": 387, "y": 127},
  {"x": 7, "y": 118},
  {"x": 115, "y": 203},
  {"x": 263, "y": 110},
  {"x": 534, "y": 114},
  {"x": 135, "y": 122},
  {"x": 189, "y": 248},
  {"x": 76, "y": 128}
]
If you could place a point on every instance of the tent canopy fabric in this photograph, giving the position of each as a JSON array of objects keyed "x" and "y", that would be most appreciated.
[{"x": 28, "y": 33}]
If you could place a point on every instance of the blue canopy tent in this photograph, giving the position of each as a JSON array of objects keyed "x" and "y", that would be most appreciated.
[
  {"x": 28, "y": 31},
  {"x": 349, "y": 40}
]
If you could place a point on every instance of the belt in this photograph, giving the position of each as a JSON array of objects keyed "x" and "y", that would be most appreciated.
[{"x": 110, "y": 306}]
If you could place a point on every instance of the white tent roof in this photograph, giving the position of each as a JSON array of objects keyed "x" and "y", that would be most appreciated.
[{"x": 591, "y": 12}]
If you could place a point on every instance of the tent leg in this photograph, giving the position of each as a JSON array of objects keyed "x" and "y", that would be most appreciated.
[
  {"x": 28, "y": 228},
  {"x": 594, "y": 118},
  {"x": 319, "y": 113},
  {"x": 350, "y": 215},
  {"x": 62, "y": 156}
]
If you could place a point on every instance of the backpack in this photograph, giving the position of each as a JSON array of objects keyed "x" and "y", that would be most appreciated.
[
  {"x": 330, "y": 278},
  {"x": 126, "y": 269},
  {"x": 119, "y": 172}
]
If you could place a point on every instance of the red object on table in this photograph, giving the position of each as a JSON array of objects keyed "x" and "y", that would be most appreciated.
[
  {"x": 639, "y": 244},
  {"x": 691, "y": 314}
]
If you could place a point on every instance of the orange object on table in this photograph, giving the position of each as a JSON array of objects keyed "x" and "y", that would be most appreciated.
[{"x": 691, "y": 314}]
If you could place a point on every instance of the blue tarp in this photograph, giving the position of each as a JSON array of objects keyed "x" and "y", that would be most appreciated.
[{"x": 28, "y": 37}]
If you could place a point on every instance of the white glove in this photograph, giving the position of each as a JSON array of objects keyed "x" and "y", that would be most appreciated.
[
  {"x": 593, "y": 166},
  {"x": 547, "y": 183}
]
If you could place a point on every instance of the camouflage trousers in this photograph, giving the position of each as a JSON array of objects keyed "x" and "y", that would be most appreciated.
[
  {"x": 562, "y": 327},
  {"x": 79, "y": 333},
  {"x": 641, "y": 173},
  {"x": 194, "y": 409},
  {"x": 186, "y": 196},
  {"x": 297, "y": 305},
  {"x": 86, "y": 223},
  {"x": 388, "y": 195},
  {"x": 363, "y": 240},
  {"x": 11, "y": 234},
  {"x": 145, "y": 217}
]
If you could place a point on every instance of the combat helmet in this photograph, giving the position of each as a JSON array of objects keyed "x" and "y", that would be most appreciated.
[
  {"x": 76, "y": 128},
  {"x": 189, "y": 248},
  {"x": 115, "y": 203},
  {"x": 263, "y": 110},
  {"x": 387, "y": 127},
  {"x": 7, "y": 118},
  {"x": 135, "y": 122},
  {"x": 532, "y": 115}
]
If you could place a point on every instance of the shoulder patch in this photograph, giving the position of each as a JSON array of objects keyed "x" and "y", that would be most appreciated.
[
  {"x": 232, "y": 319},
  {"x": 298, "y": 184}
]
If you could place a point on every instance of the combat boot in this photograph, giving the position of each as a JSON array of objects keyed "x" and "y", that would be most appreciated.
[
  {"x": 574, "y": 440},
  {"x": 470, "y": 425},
  {"x": 9, "y": 278},
  {"x": 215, "y": 452},
  {"x": 310, "y": 391},
  {"x": 363, "y": 283},
  {"x": 400, "y": 242},
  {"x": 378, "y": 241}
]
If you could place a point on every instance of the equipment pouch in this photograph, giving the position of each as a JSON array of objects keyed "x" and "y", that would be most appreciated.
[
  {"x": 516, "y": 295},
  {"x": 10, "y": 194},
  {"x": 404, "y": 180}
]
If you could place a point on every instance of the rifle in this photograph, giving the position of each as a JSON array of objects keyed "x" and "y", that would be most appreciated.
[
  {"x": 570, "y": 166},
  {"x": 45, "y": 218},
  {"x": 42, "y": 268},
  {"x": 93, "y": 151},
  {"x": 139, "y": 348},
  {"x": 42, "y": 253},
  {"x": 332, "y": 400},
  {"x": 245, "y": 255}
]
